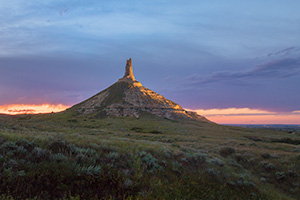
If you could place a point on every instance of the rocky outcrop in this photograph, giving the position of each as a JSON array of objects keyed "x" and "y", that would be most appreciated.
[
  {"x": 128, "y": 97},
  {"x": 129, "y": 70},
  {"x": 128, "y": 76}
]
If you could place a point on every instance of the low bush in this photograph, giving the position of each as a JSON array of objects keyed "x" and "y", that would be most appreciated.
[
  {"x": 149, "y": 162},
  {"x": 265, "y": 156},
  {"x": 137, "y": 129},
  {"x": 26, "y": 144},
  {"x": 241, "y": 158},
  {"x": 55, "y": 174},
  {"x": 280, "y": 176},
  {"x": 287, "y": 141},
  {"x": 61, "y": 170},
  {"x": 155, "y": 132},
  {"x": 267, "y": 166},
  {"x": 227, "y": 151},
  {"x": 194, "y": 159},
  {"x": 216, "y": 162},
  {"x": 59, "y": 146}
]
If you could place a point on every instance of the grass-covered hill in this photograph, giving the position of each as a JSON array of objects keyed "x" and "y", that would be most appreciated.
[
  {"x": 129, "y": 98},
  {"x": 71, "y": 156}
]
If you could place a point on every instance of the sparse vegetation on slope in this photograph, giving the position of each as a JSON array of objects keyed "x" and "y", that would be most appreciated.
[
  {"x": 125, "y": 98},
  {"x": 65, "y": 156}
]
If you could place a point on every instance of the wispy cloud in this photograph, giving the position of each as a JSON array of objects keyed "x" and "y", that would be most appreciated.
[
  {"x": 249, "y": 116},
  {"x": 285, "y": 52},
  {"x": 232, "y": 111},
  {"x": 283, "y": 68},
  {"x": 16, "y": 109},
  {"x": 62, "y": 11}
]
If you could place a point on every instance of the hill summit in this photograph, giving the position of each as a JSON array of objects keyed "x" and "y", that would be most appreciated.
[{"x": 128, "y": 97}]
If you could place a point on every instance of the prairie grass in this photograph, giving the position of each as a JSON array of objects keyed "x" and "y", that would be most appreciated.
[{"x": 65, "y": 156}]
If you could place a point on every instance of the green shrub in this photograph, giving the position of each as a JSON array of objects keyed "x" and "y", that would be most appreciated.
[
  {"x": 10, "y": 164},
  {"x": 58, "y": 157},
  {"x": 58, "y": 146},
  {"x": 113, "y": 156},
  {"x": 84, "y": 151},
  {"x": 8, "y": 146},
  {"x": 149, "y": 162},
  {"x": 91, "y": 170},
  {"x": 137, "y": 129},
  {"x": 39, "y": 155},
  {"x": 287, "y": 140},
  {"x": 241, "y": 158},
  {"x": 217, "y": 162},
  {"x": 29, "y": 146},
  {"x": 267, "y": 166},
  {"x": 176, "y": 166},
  {"x": 81, "y": 158},
  {"x": 73, "y": 120},
  {"x": 194, "y": 159},
  {"x": 212, "y": 172},
  {"x": 227, "y": 151},
  {"x": 280, "y": 176},
  {"x": 21, "y": 152},
  {"x": 155, "y": 132}
]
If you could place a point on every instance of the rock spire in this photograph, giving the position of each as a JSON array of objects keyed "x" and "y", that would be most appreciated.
[
  {"x": 128, "y": 70},
  {"x": 128, "y": 97},
  {"x": 128, "y": 76}
]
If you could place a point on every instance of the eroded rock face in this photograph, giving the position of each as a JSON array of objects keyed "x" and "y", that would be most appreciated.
[
  {"x": 129, "y": 70},
  {"x": 91, "y": 105},
  {"x": 139, "y": 99},
  {"x": 128, "y": 97},
  {"x": 128, "y": 76}
]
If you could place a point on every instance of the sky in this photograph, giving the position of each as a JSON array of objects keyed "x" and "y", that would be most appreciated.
[{"x": 231, "y": 61}]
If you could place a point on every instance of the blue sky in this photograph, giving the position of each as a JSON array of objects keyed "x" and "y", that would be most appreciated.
[{"x": 200, "y": 54}]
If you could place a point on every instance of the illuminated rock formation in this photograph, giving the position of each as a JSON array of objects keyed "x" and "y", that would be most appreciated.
[
  {"x": 128, "y": 76},
  {"x": 128, "y": 97},
  {"x": 128, "y": 70}
]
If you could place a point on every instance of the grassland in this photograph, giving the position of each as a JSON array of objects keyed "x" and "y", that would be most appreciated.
[{"x": 65, "y": 156}]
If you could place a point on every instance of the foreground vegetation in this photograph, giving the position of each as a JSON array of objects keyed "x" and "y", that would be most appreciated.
[{"x": 64, "y": 156}]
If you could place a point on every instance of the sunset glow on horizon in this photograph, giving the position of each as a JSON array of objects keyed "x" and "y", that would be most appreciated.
[
  {"x": 249, "y": 116},
  {"x": 17, "y": 109},
  {"x": 220, "y": 116}
]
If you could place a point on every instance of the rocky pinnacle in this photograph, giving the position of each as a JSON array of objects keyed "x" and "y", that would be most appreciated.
[
  {"x": 128, "y": 97},
  {"x": 129, "y": 71}
]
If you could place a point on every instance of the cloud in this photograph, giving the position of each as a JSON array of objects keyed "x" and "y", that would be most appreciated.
[
  {"x": 283, "y": 68},
  {"x": 285, "y": 52},
  {"x": 80, "y": 28},
  {"x": 62, "y": 11},
  {"x": 16, "y": 109},
  {"x": 232, "y": 111},
  {"x": 249, "y": 116},
  {"x": 22, "y": 111}
]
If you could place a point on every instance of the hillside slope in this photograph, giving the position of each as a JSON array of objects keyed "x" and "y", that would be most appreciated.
[{"x": 128, "y": 97}]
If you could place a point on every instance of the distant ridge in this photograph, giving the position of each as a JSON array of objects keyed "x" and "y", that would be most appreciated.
[{"x": 128, "y": 97}]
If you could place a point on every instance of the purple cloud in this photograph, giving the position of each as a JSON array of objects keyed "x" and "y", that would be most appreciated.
[
  {"x": 285, "y": 52},
  {"x": 283, "y": 68}
]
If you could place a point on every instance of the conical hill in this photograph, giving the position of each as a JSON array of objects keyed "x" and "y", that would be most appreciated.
[{"x": 128, "y": 97}]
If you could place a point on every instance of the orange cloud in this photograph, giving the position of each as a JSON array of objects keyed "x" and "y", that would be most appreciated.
[
  {"x": 16, "y": 109},
  {"x": 232, "y": 111},
  {"x": 249, "y": 116}
]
